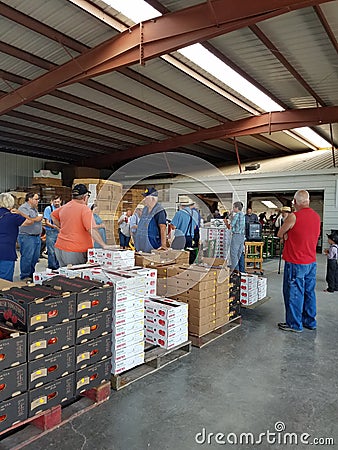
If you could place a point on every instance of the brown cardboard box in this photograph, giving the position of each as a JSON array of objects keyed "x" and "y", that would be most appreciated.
[
  {"x": 197, "y": 273},
  {"x": 209, "y": 293},
  {"x": 163, "y": 257},
  {"x": 196, "y": 311},
  {"x": 222, "y": 307},
  {"x": 200, "y": 302},
  {"x": 47, "y": 181},
  {"x": 200, "y": 330},
  {"x": 167, "y": 271},
  {"x": 201, "y": 320},
  {"x": 214, "y": 262},
  {"x": 221, "y": 321}
]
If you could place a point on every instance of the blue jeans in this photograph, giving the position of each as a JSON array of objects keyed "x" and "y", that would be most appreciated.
[
  {"x": 51, "y": 236},
  {"x": 241, "y": 266},
  {"x": 30, "y": 252},
  {"x": 299, "y": 295},
  {"x": 236, "y": 252},
  {"x": 124, "y": 240},
  {"x": 7, "y": 270}
]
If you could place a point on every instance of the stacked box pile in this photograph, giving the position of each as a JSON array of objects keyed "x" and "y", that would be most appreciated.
[
  {"x": 128, "y": 320},
  {"x": 48, "y": 192},
  {"x": 150, "y": 277},
  {"x": 93, "y": 322},
  {"x": 205, "y": 289},
  {"x": 253, "y": 288},
  {"x": 130, "y": 199},
  {"x": 249, "y": 290},
  {"x": 262, "y": 287},
  {"x": 159, "y": 258},
  {"x": 234, "y": 295},
  {"x": 47, "y": 177},
  {"x": 111, "y": 259},
  {"x": 47, "y": 317},
  {"x": 166, "y": 322},
  {"x": 220, "y": 239},
  {"x": 107, "y": 195},
  {"x": 13, "y": 377}
]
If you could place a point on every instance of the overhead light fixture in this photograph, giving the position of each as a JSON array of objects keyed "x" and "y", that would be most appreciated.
[
  {"x": 269, "y": 204},
  {"x": 139, "y": 11}
]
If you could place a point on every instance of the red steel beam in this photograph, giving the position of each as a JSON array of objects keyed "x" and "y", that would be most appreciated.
[
  {"x": 265, "y": 123},
  {"x": 154, "y": 38}
]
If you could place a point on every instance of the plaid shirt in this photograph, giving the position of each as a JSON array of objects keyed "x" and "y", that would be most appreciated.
[{"x": 238, "y": 223}]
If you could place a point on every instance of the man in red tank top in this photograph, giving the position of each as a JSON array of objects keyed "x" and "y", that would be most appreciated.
[{"x": 300, "y": 233}]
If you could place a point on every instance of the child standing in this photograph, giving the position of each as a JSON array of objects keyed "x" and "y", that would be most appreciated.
[{"x": 332, "y": 263}]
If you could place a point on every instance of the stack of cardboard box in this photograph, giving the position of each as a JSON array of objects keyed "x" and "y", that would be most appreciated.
[
  {"x": 158, "y": 258},
  {"x": 48, "y": 319},
  {"x": 262, "y": 287},
  {"x": 204, "y": 288},
  {"x": 111, "y": 259},
  {"x": 220, "y": 236},
  {"x": 166, "y": 322},
  {"x": 128, "y": 321},
  {"x": 93, "y": 322},
  {"x": 249, "y": 288},
  {"x": 107, "y": 196},
  {"x": 13, "y": 377},
  {"x": 47, "y": 177}
]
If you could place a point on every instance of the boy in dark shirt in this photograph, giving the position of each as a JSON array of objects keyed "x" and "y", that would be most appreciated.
[{"x": 332, "y": 263}]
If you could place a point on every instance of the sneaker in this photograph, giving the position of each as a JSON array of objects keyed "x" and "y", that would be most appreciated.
[
  {"x": 328, "y": 290},
  {"x": 310, "y": 328},
  {"x": 285, "y": 327}
]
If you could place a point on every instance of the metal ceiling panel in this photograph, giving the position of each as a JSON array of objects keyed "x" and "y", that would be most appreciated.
[
  {"x": 66, "y": 18},
  {"x": 179, "y": 82},
  {"x": 308, "y": 49},
  {"x": 156, "y": 101}
]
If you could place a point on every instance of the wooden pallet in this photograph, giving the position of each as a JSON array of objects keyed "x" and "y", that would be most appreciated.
[
  {"x": 256, "y": 304},
  {"x": 201, "y": 341},
  {"x": 155, "y": 358},
  {"x": 254, "y": 270},
  {"x": 28, "y": 431}
]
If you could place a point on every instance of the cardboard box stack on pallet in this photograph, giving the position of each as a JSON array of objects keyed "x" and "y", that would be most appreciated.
[
  {"x": 107, "y": 195},
  {"x": 130, "y": 199},
  {"x": 253, "y": 289},
  {"x": 47, "y": 178},
  {"x": 166, "y": 322},
  {"x": 206, "y": 288},
  {"x": 42, "y": 352}
]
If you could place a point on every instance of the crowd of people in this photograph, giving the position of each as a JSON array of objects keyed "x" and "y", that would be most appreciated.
[{"x": 75, "y": 227}]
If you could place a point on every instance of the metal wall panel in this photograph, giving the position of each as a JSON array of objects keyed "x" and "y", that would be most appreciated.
[{"x": 17, "y": 170}]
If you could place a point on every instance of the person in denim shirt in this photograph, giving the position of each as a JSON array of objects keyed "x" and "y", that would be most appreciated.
[{"x": 237, "y": 227}]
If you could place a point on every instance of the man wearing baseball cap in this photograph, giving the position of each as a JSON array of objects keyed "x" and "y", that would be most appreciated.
[
  {"x": 77, "y": 228},
  {"x": 151, "y": 230}
]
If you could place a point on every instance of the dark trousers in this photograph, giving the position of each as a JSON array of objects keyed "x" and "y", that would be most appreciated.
[{"x": 332, "y": 275}]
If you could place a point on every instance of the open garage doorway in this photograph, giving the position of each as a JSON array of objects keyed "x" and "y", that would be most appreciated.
[{"x": 267, "y": 205}]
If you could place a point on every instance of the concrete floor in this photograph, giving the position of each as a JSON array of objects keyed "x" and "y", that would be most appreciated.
[{"x": 246, "y": 381}]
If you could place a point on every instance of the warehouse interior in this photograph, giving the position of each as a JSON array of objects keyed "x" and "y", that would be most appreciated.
[{"x": 208, "y": 101}]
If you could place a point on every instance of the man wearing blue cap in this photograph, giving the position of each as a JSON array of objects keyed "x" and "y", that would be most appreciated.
[{"x": 152, "y": 229}]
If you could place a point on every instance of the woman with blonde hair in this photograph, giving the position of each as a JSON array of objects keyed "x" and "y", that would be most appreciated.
[{"x": 10, "y": 221}]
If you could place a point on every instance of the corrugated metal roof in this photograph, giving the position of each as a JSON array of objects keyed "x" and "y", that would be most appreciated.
[
  {"x": 311, "y": 161},
  {"x": 152, "y": 103}
]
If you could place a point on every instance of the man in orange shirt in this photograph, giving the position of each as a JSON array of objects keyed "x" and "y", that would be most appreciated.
[{"x": 77, "y": 228}]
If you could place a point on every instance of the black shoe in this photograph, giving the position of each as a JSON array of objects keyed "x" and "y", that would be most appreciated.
[
  {"x": 310, "y": 328},
  {"x": 285, "y": 327}
]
